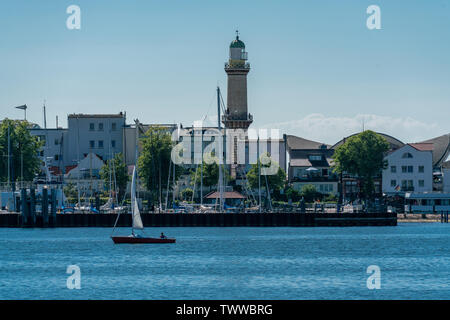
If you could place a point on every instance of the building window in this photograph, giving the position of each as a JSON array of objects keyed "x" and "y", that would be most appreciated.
[
  {"x": 393, "y": 183},
  {"x": 407, "y": 155},
  {"x": 100, "y": 126},
  {"x": 56, "y": 142},
  {"x": 408, "y": 185},
  {"x": 421, "y": 169},
  {"x": 407, "y": 169},
  {"x": 91, "y": 144},
  {"x": 100, "y": 144},
  {"x": 91, "y": 126},
  {"x": 393, "y": 169},
  {"x": 56, "y": 157},
  {"x": 315, "y": 158},
  {"x": 421, "y": 183},
  {"x": 113, "y": 143},
  {"x": 113, "y": 127}
]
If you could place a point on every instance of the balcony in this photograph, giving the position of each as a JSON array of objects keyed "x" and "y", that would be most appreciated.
[
  {"x": 237, "y": 65},
  {"x": 331, "y": 178}
]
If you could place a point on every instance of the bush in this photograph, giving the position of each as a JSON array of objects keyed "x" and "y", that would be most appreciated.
[
  {"x": 330, "y": 198},
  {"x": 310, "y": 194},
  {"x": 186, "y": 194}
]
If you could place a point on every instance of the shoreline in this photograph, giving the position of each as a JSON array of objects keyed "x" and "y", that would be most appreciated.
[{"x": 418, "y": 217}]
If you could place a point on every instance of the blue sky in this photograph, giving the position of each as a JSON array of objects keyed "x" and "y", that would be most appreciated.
[{"x": 317, "y": 71}]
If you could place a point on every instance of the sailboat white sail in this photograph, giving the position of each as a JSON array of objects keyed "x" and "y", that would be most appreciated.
[{"x": 137, "y": 221}]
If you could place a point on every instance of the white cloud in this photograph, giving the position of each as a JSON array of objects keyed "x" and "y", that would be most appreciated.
[{"x": 330, "y": 130}]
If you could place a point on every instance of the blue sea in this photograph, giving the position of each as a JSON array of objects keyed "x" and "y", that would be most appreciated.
[{"x": 229, "y": 263}]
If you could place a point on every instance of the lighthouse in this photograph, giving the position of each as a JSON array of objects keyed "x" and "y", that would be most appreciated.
[{"x": 237, "y": 68}]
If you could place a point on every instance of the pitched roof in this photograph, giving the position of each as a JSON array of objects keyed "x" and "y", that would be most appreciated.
[
  {"x": 300, "y": 163},
  {"x": 226, "y": 195},
  {"x": 297, "y": 143},
  {"x": 422, "y": 146},
  {"x": 441, "y": 148}
]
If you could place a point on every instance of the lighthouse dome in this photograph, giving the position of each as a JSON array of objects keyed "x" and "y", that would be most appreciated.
[{"x": 237, "y": 43}]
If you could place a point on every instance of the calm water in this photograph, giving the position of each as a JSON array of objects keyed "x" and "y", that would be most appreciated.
[{"x": 229, "y": 263}]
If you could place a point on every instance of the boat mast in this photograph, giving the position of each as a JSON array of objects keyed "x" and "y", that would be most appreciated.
[
  {"x": 201, "y": 172},
  {"x": 220, "y": 151},
  {"x": 9, "y": 162},
  {"x": 259, "y": 174},
  {"x": 78, "y": 163}
]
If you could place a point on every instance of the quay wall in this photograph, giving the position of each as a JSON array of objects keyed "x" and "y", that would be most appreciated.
[{"x": 15, "y": 220}]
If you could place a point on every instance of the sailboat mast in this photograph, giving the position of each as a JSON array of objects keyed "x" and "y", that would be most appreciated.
[
  {"x": 220, "y": 151},
  {"x": 78, "y": 164},
  {"x": 259, "y": 174},
  {"x": 201, "y": 173},
  {"x": 9, "y": 161}
]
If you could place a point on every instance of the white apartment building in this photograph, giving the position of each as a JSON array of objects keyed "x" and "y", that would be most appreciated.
[
  {"x": 409, "y": 169},
  {"x": 54, "y": 148},
  {"x": 446, "y": 177},
  {"x": 101, "y": 134}
]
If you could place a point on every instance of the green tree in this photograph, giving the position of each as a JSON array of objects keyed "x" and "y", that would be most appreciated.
[
  {"x": 362, "y": 155},
  {"x": 310, "y": 193},
  {"x": 154, "y": 161},
  {"x": 70, "y": 191},
  {"x": 186, "y": 194},
  {"x": 210, "y": 175},
  {"x": 116, "y": 170},
  {"x": 24, "y": 151},
  {"x": 292, "y": 194},
  {"x": 276, "y": 180}
]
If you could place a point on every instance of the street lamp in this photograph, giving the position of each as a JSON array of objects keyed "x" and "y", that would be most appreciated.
[{"x": 24, "y": 108}]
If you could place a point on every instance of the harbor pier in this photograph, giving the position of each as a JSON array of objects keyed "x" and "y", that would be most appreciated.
[{"x": 279, "y": 219}]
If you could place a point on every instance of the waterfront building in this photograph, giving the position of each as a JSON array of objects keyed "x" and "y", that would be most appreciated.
[
  {"x": 350, "y": 187},
  {"x": 129, "y": 138},
  {"x": 409, "y": 169},
  {"x": 86, "y": 175},
  {"x": 101, "y": 134},
  {"x": 446, "y": 176},
  {"x": 54, "y": 149},
  {"x": 310, "y": 163}
]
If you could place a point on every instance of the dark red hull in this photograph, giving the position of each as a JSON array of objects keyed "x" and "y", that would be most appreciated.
[{"x": 141, "y": 240}]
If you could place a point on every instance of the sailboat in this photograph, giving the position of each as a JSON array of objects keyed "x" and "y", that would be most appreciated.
[
  {"x": 137, "y": 222},
  {"x": 135, "y": 214}
]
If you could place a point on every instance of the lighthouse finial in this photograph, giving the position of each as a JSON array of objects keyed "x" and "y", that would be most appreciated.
[{"x": 237, "y": 34}]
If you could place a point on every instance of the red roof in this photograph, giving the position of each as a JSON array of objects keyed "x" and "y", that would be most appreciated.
[
  {"x": 68, "y": 168},
  {"x": 422, "y": 146},
  {"x": 226, "y": 195}
]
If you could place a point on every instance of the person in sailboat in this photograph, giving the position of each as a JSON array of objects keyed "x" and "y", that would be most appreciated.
[
  {"x": 134, "y": 235},
  {"x": 162, "y": 236}
]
